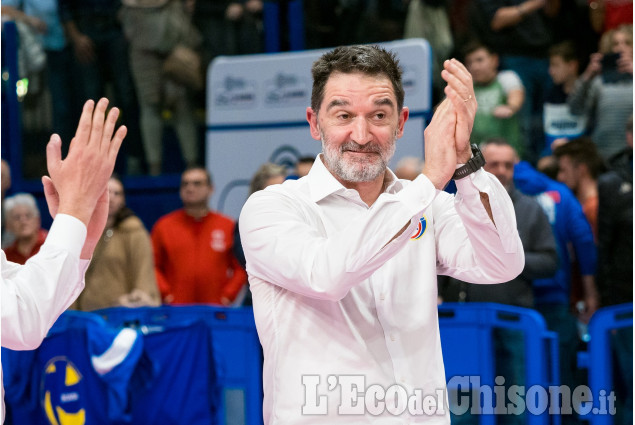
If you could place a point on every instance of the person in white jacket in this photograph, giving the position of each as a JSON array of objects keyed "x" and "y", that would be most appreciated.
[{"x": 33, "y": 295}]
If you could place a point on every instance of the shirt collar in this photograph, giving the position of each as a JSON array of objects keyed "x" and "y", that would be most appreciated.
[{"x": 322, "y": 183}]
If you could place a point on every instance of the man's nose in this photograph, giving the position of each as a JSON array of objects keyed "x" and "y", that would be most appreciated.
[{"x": 360, "y": 132}]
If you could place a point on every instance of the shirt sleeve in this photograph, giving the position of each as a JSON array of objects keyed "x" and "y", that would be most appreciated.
[
  {"x": 469, "y": 246},
  {"x": 509, "y": 80},
  {"x": 35, "y": 294},
  {"x": 274, "y": 229}
]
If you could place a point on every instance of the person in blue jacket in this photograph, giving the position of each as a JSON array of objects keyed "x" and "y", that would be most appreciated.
[{"x": 552, "y": 295}]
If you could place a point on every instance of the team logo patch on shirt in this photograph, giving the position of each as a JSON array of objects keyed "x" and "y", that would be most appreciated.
[
  {"x": 421, "y": 229},
  {"x": 218, "y": 242}
]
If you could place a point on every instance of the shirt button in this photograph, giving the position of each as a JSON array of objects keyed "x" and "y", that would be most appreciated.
[
  {"x": 392, "y": 337},
  {"x": 382, "y": 296}
]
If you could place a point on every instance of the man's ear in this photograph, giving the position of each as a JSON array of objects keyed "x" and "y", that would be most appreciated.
[
  {"x": 403, "y": 117},
  {"x": 312, "y": 118}
]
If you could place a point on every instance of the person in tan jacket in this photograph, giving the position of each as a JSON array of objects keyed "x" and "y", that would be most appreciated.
[{"x": 121, "y": 272}]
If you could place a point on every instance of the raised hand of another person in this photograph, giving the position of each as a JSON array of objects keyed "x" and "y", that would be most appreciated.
[
  {"x": 625, "y": 62},
  {"x": 78, "y": 184},
  {"x": 84, "y": 48},
  {"x": 460, "y": 92},
  {"x": 503, "y": 111},
  {"x": 137, "y": 298},
  {"x": 594, "y": 67}
]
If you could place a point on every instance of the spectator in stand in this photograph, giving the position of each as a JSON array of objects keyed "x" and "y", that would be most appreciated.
[
  {"x": 500, "y": 96},
  {"x": 579, "y": 166},
  {"x": 615, "y": 219},
  {"x": 7, "y": 237},
  {"x": 151, "y": 42},
  {"x": 606, "y": 15},
  {"x": 380, "y": 20},
  {"x": 541, "y": 261},
  {"x": 521, "y": 32},
  {"x": 121, "y": 272},
  {"x": 429, "y": 19},
  {"x": 574, "y": 241},
  {"x": 548, "y": 165},
  {"x": 615, "y": 271},
  {"x": 604, "y": 91},
  {"x": 101, "y": 52},
  {"x": 24, "y": 222},
  {"x": 558, "y": 120},
  {"x": 43, "y": 17},
  {"x": 229, "y": 27},
  {"x": 267, "y": 174},
  {"x": 6, "y": 178},
  {"x": 193, "y": 257},
  {"x": 303, "y": 166},
  {"x": 408, "y": 168}
]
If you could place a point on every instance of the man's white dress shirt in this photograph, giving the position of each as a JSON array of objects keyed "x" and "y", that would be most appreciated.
[
  {"x": 337, "y": 298},
  {"x": 35, "y": 294}
]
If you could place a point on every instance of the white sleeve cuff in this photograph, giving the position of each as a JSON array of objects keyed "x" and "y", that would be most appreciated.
[{"x": 67, "y": 232}]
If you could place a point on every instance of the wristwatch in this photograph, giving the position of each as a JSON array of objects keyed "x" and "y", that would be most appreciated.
[{"x": 477, "y": 161}]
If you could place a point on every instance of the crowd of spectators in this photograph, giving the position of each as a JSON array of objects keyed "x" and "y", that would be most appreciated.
[
  {"x": 535, "y": 49},
  {"x": 145, "y": 55}
]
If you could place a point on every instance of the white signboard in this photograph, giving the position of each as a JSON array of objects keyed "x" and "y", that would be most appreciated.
[{"x": 256, "y": 113}]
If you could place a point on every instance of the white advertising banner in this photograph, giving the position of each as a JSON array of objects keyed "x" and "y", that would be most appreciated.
[{"x": 256, "y": 113}]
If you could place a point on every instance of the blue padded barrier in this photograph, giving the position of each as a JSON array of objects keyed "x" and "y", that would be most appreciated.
[
  {"x": 236, "y": 350},
  {"x": 88, "y": 372},
  {"x": 599, "y": 357},
  {"x": 468, "y": 349}
]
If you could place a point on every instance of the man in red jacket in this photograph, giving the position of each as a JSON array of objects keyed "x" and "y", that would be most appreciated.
[{"x": 193, "y": 255}]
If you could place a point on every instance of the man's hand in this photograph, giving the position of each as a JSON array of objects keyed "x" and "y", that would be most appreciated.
[
  {"x": 448, "y": 135},
  {"x": 77, "y": 185},
  {"x": 460, "y": 92},
  {"x": 97, "y": 221},
  {"x": 440, "y": 149}
]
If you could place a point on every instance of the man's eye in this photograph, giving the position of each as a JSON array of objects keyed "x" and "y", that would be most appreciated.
[{"x": 380, "y": 116}]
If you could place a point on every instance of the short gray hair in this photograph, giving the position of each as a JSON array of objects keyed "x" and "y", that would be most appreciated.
[
  {"x": 264, "y": 173},
  {"x": 21, "y": 199}
]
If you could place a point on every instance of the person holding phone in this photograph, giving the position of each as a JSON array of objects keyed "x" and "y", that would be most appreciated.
[{"x": 604, "y": 91}]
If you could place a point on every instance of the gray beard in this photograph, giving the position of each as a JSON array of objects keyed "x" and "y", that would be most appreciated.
[{"x": 358, "y": 171}]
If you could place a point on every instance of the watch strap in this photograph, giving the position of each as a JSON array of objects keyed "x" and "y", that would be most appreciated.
[{"x": 477, "y": 161}]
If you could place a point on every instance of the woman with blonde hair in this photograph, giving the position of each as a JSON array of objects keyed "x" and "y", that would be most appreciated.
[{"x": 604, "y": 91}]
